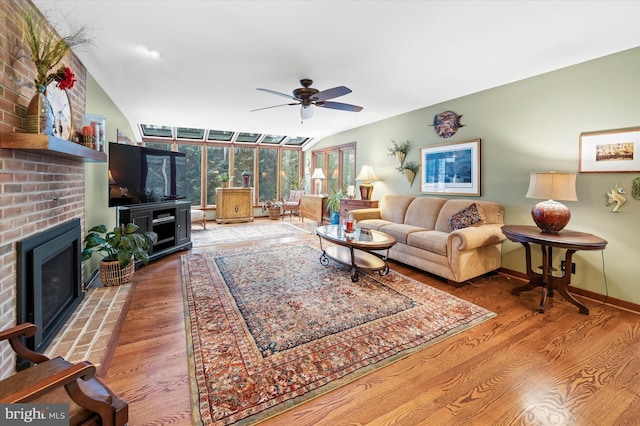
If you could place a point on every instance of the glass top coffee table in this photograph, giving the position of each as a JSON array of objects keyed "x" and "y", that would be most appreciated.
[{"x": 355, "y": 249}]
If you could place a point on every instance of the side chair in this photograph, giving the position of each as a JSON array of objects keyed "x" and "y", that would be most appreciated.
[
  {"x": 292, "y": 204},
  {"x": 57, "y": 381}
]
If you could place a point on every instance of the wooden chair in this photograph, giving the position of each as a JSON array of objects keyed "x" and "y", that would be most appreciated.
[
  {"x": 56, "y": 381},
  {"x": 198, "y": 216},
  {"x": 292, "y": 204}
]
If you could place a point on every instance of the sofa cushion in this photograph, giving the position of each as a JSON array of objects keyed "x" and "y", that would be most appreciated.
[
  {"x": 374, "y": 224},
  {"x": 423, "y": 212},
  {"x": 399, "y": 231},
  {"x": 433, "y": 241},
  {"x": 394, "y": 207},
  {"x": 469, "y": 216}
]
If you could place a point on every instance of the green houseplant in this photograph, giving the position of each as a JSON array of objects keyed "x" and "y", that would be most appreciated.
[
  {"x": 399, "y": 150},
  {"x": 118, "y": 248},
  {"x": 333, "y": 205}
]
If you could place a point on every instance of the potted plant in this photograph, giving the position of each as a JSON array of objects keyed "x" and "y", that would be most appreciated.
[
  {"x": 273, "y": 207},
  {"x": 118, "y": 248},
  {"x": 224, "y": 178},
  {"x": 410, "y": 170},
  {"x": 333, "y": 206},
  {"x": 399, "y": 150}
]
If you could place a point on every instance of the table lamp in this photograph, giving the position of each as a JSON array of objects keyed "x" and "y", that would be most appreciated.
[
  {"x": 550, "y": 215},
  {"x": 318, "y": 175},
  {"x": 366, "y": 188}
]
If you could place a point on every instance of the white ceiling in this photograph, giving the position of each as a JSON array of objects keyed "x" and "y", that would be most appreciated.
[{"x": 396, "y": 56}]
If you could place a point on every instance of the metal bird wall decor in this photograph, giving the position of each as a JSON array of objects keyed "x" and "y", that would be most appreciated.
[{"x": 614, "y": 196}]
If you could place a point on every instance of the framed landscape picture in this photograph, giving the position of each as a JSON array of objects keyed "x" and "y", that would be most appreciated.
[
  {"x": 610, "y": 151},
  {"x": 451, "y": 168}
]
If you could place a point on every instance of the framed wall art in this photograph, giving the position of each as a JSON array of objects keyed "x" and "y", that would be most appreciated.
[
  {"x": 610, "y": 151},
  {"x": 451, "y": 168}
]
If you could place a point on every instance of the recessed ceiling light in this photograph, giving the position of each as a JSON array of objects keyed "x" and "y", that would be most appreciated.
[{"x": 145, "y": 51}]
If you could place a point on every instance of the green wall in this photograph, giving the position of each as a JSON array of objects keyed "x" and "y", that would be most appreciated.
[
  {"x": 97, "y": 209},
  {"x": 534, "y": 125}
]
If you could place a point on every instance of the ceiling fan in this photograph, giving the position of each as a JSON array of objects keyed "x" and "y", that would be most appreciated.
[{"x": 308, "y": 97}]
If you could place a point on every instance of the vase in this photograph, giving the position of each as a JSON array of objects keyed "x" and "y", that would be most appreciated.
[
  {"x": 411, "y": 175},
  {"x": 401, "y": 156},
  {"x": 39, "y": 114}
]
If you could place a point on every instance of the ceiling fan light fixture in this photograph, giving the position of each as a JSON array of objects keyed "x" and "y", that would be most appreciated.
[{"x": 306, "y": 111}]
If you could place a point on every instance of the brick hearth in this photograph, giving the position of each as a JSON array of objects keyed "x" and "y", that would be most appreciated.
[{"x": 87, "y": 334}]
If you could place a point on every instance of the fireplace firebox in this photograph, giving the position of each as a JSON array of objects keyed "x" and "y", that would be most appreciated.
[{"x": 49, "y": 282}]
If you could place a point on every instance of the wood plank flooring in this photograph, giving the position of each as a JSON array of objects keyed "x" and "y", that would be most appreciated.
[{"x": 519, "y": 368}]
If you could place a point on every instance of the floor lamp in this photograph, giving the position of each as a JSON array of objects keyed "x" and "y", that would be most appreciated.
[{"x": 318, "y": 175}]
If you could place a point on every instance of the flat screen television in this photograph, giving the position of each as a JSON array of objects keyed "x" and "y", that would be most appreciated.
[{"x": 145, "y": 175}]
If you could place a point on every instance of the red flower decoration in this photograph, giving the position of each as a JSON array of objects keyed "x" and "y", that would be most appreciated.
[{"x": 65, "y": 78}]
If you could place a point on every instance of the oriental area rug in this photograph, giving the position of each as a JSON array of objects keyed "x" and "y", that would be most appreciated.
[
  {"x": 269, "y": 328},
  {"x": 224, "y": 234}
]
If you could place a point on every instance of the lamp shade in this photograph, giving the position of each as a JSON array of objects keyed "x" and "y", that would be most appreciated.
[
  {"x": 552, "y": 186},
  {"x": 318, "y": 174},
  {"x": 366, "y": 173},
  {"x": 550, "y": 215},
  {"x": 366, "y": 188}
]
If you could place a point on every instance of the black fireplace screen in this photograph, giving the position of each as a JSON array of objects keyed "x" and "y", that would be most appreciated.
[{"x": 49, "y": 281}]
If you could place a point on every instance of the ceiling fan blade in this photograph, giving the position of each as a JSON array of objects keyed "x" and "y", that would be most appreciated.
[
  {"x": 340, "y": 106},
  {"x": 331, "y": 93},
  {"x": 274, "y": 106},
  {"x": 273, "y": 92}
]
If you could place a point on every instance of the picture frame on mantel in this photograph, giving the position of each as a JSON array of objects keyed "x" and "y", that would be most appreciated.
[
  {"x": 610, "y": 151},
  {"x": 451, "y": 168}
]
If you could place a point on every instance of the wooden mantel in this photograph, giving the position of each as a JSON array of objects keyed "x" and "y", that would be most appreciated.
[{"x": 50, "y": 145}]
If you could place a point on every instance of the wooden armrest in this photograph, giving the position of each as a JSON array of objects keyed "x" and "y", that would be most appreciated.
[
  {"x": 15, "y": 334},
  {"x": 27, "y": 329},
  {"x": 83, "y": 370}
]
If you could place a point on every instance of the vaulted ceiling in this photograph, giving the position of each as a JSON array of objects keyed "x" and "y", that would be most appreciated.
[{"x": 198, "y": 64}]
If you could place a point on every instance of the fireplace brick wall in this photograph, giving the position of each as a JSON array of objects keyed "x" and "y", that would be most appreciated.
[{"x": 37, "y": 191}]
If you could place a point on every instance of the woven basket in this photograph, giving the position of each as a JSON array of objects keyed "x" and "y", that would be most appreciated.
[
  {"x": 274, "y": 212},
  {"x": 111, "y": 274}
]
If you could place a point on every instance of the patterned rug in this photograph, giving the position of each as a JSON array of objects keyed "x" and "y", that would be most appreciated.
[
  {"x": 269, "y": 328},
  {"x": 223, "y": 234}
]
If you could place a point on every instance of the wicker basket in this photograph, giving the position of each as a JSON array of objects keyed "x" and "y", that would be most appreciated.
[
  {"x": 274, "y": 212},
  {"x": 111, "y": 274}
]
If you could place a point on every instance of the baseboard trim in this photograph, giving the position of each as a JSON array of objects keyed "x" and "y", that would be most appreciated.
[{"x": 603, "y": 298}]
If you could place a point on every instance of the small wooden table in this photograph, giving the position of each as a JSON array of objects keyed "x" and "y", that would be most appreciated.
[
  {"x": 313, "y": 207},
  {"x": 354, "y": 249},
  {"x": 571, "y": 241}
]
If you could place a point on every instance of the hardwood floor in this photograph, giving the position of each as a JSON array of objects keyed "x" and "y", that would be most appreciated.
[{"x": 521, "y": 367}]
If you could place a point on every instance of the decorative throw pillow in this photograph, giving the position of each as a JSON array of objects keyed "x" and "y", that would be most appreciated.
[{"x": 470, "y": 216}]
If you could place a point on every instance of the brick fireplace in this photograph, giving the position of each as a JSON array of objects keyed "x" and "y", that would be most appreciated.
[{"x": 38, "y": 191}]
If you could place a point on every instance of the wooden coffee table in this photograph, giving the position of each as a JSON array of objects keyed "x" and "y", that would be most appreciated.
[{"x": 355, "y": 249}]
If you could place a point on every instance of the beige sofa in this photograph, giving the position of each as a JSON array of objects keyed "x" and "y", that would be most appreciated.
[{"x": 426, "y": 240}]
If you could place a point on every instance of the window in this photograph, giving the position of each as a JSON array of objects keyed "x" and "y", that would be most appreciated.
[
  {"x": 274, "y": 169},
  {"x": 194, "y": 172},
  {"x": 243, "y": 160},
  {"x": 289, "y": 171},
  {"x": 217, "y": 166},
  {"x": 338, "y": 164},
  {"x": 268, "y": 174}
]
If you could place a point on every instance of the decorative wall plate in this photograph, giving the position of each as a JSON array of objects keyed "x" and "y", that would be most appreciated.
[
  {"x": 61, "y": 107},
  {"x": 635, "y": 188},
  {"x": 447, "y": 123}
]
